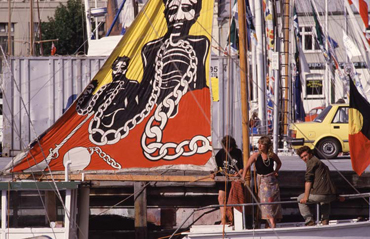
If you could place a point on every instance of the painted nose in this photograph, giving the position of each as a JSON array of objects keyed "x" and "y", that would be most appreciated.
[{"x": 180, "y": 15}]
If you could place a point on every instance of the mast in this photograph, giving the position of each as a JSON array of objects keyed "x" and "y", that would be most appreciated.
[
  {"x": 276, "y": 83},
  {"x": 346, "y": 27},
  {"x": 96, "y": 23},
  {"x": 254, "y": 60},
  {"x": 285, "y": 86},
  {"x": 327, "y": 77},
  {"x": 9, "y": 29},
  {"x": 40, "y": 36},
  {"x": 88, "y": 22},
  {"x": 136, "y": 8},
  {"x": 31, "y": 28},
  {"x": 260, "y": 64},
  {"x": 328, "y": 73},
  {"x": 243, "y": 44}
]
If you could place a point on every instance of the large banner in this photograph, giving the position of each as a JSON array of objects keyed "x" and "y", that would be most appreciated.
[{"x": 148, "y": 106}]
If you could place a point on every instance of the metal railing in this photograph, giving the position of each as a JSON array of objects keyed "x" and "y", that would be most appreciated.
[{"x": 345, "y": 196}]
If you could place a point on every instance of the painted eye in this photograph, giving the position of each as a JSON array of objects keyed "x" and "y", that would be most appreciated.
[
  {"x": 172, "y": 10},
  {"x": 186, "y": 8}
]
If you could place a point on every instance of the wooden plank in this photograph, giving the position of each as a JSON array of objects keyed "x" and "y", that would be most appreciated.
[
  {"x": 122, "y": 177},
  {"x": 37, "y": 185},
  {"x": 83, "y": 212},
  {"x": 51, "y": 207},
  {"x": 141, "y": 231}
]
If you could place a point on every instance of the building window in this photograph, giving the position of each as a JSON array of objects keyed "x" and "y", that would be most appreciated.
[
  {"x": 313, "y": 88},
  {"x": 4, "y": 27},
  {"x": 309, "y": 39},
  {"x": 4, "y": 43}
]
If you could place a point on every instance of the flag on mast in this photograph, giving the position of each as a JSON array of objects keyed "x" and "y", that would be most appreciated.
[
  {"x": 359, "y": 130},
  {"x": 304, "y": 68},
  {"x": 53, "y": 49},
  {"x": 251, "y": 30},
  {"x": 233, "y": 38},
  {"x": 269, "y": 25},
  {"x": 362, "y": 7},
  {"x": 301, "y": 67},
  {"x": 320, "y": 37},
  {"x": 329, "y": 54},
  {"x": 351, "y": 49}
]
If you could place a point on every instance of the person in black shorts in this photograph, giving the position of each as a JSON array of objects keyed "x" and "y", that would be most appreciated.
[{"x": 229, "y": 161}]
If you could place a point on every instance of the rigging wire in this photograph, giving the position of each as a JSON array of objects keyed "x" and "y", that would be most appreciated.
[
  {"x": 306, "y": 137},
  {"x": 42, "y": 151},
  {"x": 56, "y": 190},
  {"x": 234, "y": 62}
]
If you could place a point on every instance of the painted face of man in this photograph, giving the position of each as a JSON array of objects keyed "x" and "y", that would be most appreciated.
[
  {"x": 181, "y": 14},
  {"x": 119, "y": 68}
]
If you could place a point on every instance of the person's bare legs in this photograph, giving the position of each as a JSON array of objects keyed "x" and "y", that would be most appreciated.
[
  {"x": 272, "y": 222},
  {"x": 222, "y": 201}
]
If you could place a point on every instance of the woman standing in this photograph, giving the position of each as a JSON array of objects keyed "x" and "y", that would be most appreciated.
[
  {"x": 224, "y": 160},
  {"x": 268, "y": 187}
]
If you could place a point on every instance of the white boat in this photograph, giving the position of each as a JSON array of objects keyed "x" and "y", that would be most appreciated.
[
  {"x": 347, "y": 229},
  {"x": 350, "y": 228}
]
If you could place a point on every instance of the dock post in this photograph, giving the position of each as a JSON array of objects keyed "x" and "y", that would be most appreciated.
[
  {"x": 84, "y": 212},
  {"x": 51, "y": 207},
  {"x": 67, "y": 213},
  {"x": 140, "y": 210},
  {"x": 4, "y": 211}
]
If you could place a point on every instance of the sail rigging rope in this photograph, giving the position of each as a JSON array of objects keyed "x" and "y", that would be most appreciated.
[
  {"x": 306, "y": 137},
  {"x": 37, "y": 134},
  {"x": 56, "y": 190},
  {"x": 230, "y": 58}
]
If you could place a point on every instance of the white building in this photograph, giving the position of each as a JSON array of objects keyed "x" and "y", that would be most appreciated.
[
  {"x": 20, "y": 14},
  {"x": 318, "y": 89}
]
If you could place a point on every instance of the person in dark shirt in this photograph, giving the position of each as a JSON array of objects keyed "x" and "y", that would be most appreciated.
[
  {"x": 318, "y": 187},
  {"x": 268, "y": 186},
  {"x": 229, "y": 161},
  {"x": 255, "y": 123}
]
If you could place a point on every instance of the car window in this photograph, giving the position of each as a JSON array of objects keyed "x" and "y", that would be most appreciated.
[
  {"x": 323, "y": 114},
  {"x": 341, "y": 116},
  {"x": 312, "y": 112}
]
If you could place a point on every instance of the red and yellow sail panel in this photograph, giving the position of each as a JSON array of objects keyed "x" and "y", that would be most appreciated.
[{"x": 148, "y": 106}]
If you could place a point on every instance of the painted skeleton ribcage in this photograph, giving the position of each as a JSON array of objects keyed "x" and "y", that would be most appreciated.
[{"x": 177, "y": 63}]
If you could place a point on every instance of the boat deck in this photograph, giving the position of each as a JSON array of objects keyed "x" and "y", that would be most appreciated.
[{"x": 353, "y": 229}]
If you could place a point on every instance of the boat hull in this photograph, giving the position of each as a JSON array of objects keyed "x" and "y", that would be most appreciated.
[{"x": 353, "y": 230}]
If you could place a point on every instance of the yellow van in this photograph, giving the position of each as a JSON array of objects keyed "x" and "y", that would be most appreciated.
[{"x": 327, "y": 134}]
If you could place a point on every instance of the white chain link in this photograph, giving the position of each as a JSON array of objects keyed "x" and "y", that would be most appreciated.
[
  {"x": 110, "y": 161},
  {"x": 92, "y": 102}
]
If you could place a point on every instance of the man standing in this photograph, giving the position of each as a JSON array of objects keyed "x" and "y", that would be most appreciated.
[{"x": 318, "y": 187}]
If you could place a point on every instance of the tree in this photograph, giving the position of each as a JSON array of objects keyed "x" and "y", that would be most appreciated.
[{"x": 67, "y": 26}]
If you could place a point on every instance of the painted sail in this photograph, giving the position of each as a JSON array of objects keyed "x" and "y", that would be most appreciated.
[{"x": 148, "y": 106}]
